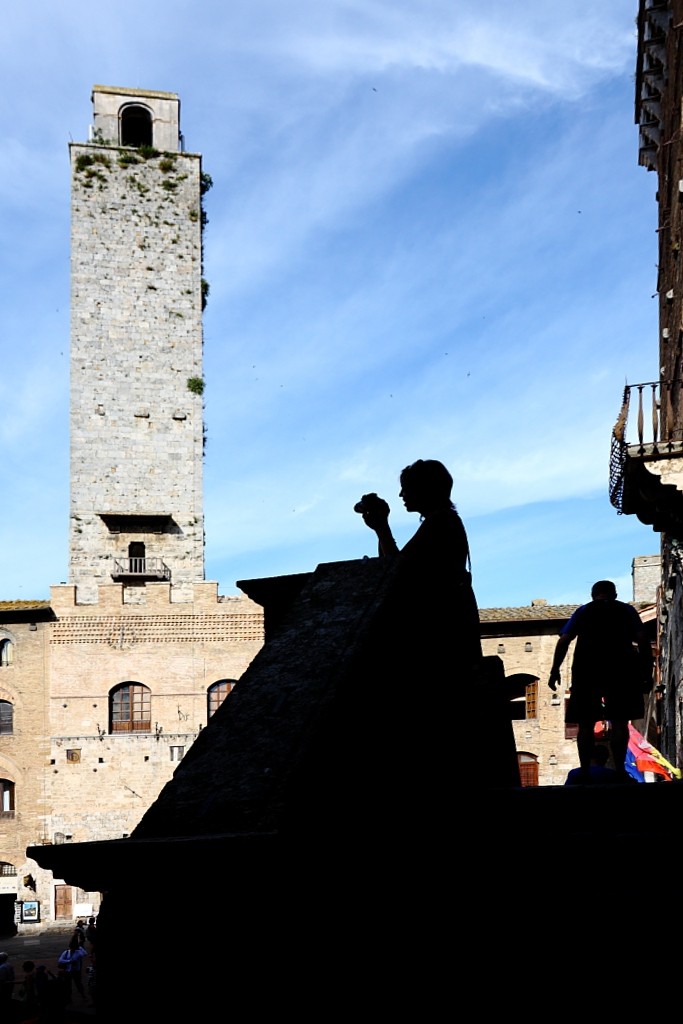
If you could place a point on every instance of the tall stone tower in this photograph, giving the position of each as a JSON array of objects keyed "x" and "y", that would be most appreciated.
[{"x": 136, "y": 511}]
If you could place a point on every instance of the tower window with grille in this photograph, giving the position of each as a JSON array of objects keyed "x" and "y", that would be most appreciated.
[{"x": 130, "y": 708}]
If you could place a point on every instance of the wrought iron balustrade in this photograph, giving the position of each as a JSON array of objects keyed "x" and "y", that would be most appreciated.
[
  {"x": 649, "y": 425},
  {"x": 143, "y": 568}
]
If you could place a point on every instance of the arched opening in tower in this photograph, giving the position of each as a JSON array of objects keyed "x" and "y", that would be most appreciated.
[{"x": 136, "y": 126}]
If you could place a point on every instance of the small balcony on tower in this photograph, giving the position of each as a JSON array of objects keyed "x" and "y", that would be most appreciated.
[
  {"x": 140, "y": 568},
  {"x": 646, "y": 457},
  {"x": 136, "y": 565}
]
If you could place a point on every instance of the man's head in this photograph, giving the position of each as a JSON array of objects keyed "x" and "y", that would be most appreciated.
[{"x": 604, "y": 590}]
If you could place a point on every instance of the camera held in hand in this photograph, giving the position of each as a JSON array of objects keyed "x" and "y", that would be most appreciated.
[{"x": 370, "y": 503}]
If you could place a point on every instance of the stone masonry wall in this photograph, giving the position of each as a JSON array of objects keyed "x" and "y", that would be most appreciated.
[
  {"x": 646, "y": 572},
  {"x": 136, "y": 308},
  {"x": 544, "y": 735}
]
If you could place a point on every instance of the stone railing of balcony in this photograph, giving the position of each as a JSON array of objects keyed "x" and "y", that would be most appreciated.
[
  {"x": 649, "y": 425},
  {"x": 151, "y": 568}
]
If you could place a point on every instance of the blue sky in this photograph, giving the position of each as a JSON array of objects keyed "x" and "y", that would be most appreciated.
[{"x": 429, "y": 237}]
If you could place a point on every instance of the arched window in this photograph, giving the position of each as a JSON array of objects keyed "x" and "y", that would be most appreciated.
[
  {"x": 136, "y": 126},
  {"x": 217, "y": 693},
  {"x": 6, "y": 651},
  {"x": 6, "y": 798},
  {"x": 6, "y": 869},
  {"x": 130, "y": 708},
  {"x": 6, "y": 718}
]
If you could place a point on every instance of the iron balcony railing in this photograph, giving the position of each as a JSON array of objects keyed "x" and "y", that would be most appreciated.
[
  {"x": 150, "y": 568},
  {"x": 650, "y": 424}
]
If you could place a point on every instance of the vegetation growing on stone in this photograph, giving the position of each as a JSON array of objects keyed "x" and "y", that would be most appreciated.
[{"x": 195, "y": 385}]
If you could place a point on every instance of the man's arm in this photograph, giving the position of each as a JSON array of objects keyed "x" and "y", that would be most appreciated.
[{"x": 561, "y": 649}]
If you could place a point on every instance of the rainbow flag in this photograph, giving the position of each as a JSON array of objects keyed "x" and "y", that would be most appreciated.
[{"x": 642, "y": 757}]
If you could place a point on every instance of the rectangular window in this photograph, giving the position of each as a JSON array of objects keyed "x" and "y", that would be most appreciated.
[
  {"x": 177, "y": 753},
  {"x": 6, "y": 718},
  {"x": 532, "y": 700}
]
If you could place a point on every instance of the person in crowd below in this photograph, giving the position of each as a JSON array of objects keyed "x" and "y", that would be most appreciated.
[
  {"x": 6, "y": 987},
  {"x": 71, "y": 962},
  {"x": 598, "y": 772},
  {"x": 53, "y": 992},
  {"x": 26, "y": 994},
  {"x": 611, "y": 670},
  {"x": 91, "y": 936}
]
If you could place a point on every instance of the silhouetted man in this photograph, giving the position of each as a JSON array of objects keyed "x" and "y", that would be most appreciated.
[{"x": 611, "y": 670}]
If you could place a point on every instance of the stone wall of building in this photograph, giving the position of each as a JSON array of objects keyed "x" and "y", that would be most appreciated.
[
  {"x": 136, "y": 309},
  {"x": 646, "y": 572},
  {"x": 24, "y": 751},
  {"x": 542, "y": 736},
  {"x": 525, "y": 639},
  {"x": 176, "y": 650},
  {"x": 75, "y": 779},
  {"x": 24, "y": 756}
]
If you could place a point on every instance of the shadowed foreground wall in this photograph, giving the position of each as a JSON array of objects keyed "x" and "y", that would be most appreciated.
[{"x": 318, "y": 808}]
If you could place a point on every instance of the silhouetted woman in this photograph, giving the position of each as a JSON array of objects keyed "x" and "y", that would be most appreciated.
[
  {"x": 428, "y": 656},
  {"x": 436, "y": 620}
]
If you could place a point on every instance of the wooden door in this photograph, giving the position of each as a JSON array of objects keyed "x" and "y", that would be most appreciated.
[{"x": 63, "y": 902}]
